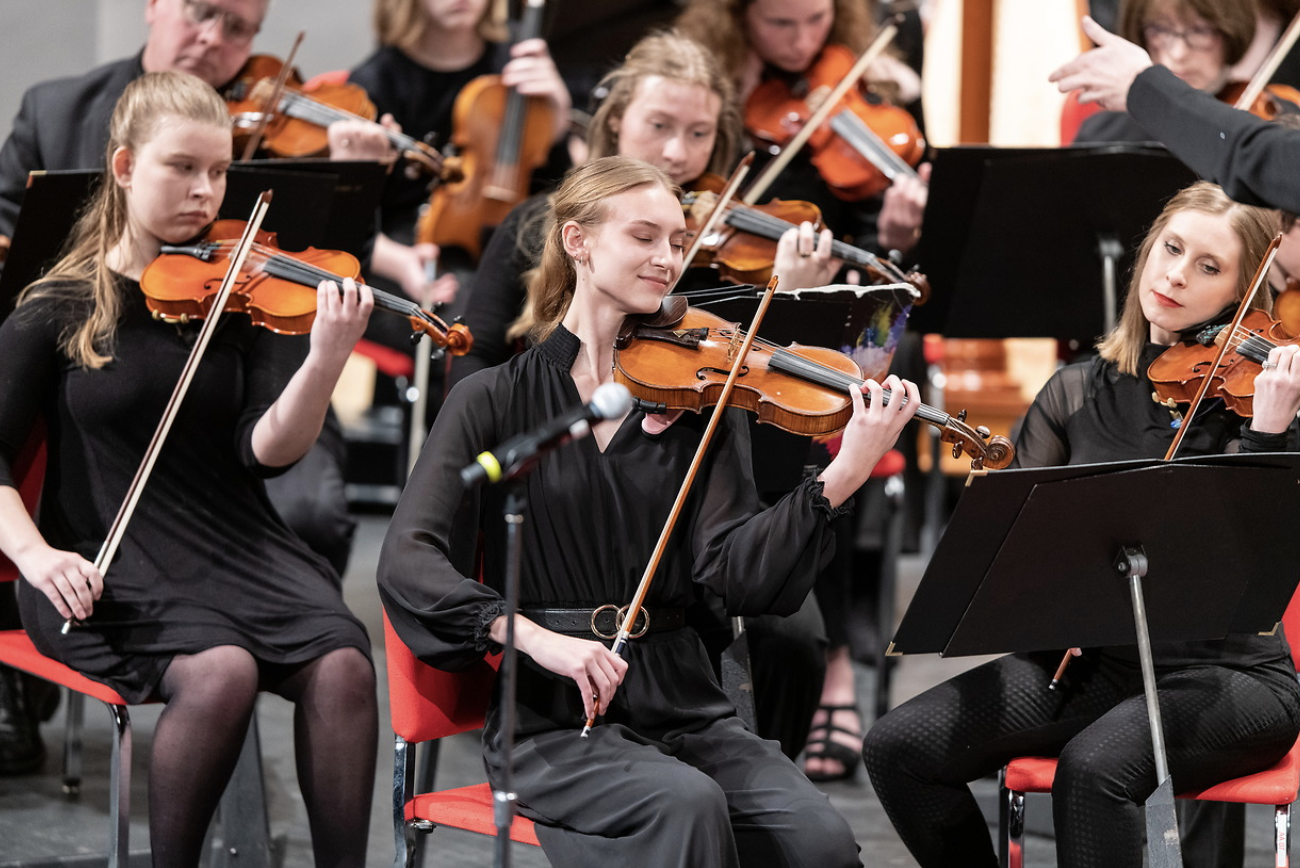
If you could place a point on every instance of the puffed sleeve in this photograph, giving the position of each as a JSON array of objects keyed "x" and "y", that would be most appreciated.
[
  {"x": 1043, "y": 440},
  {"x": 758, "y": 561},
  {"x": 427, "y": 558}
]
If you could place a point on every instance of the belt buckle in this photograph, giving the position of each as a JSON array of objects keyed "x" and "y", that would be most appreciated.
[{"x": 620, "y": 613}]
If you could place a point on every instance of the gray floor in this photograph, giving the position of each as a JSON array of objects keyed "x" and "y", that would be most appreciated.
[{"x": 38, "y": 824}]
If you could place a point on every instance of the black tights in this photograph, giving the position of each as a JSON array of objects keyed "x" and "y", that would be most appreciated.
[
  {"x": 210, "y": 698},
  {"x": 1218, "y": 723}
]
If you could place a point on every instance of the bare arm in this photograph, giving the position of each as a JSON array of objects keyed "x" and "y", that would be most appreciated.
[{"x": 291, "y": 425}]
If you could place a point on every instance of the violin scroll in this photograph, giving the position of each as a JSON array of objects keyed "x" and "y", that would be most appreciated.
[{"x": 985, "y": 449}]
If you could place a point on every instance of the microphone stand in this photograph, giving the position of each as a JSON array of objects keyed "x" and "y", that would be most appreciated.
[{"x": 503, "y": 800}]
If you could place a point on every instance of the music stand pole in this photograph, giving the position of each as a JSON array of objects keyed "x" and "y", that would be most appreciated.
[
  {"x": 503, "y": 800},
  {"x": 1163, "y": 845},
  {"x": 1111, "y": 250}
]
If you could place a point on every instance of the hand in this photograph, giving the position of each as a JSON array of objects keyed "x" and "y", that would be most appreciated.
[
  {"x": 419, "y": 261},
  {"x": 362, "y": 140},
  {"x": 341, "y": 317},
  {"x": 871, "y": 432},
  {"x": 899, "y": 224},
  {"x": 798, "y": 265},
  {"x": 1105, "y": 73},
  {"x": 1277, "y": 391},
  {"x": 67, "y": 579},
  {"x": 596, "y": 670},
  {"x": 532, "y": 72}
]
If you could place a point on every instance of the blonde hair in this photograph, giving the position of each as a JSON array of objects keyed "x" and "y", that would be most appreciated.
[
  {"x": 719, "y": 25},
  {"x": 82, "y": 273},
  {"x": 673, "y": 56},
  {"x": 1232, "y": 18},
  {"x": 581, "y": 199},
  {"x": 1254, "y": 227},
  {"x": 403, "y": 23}
]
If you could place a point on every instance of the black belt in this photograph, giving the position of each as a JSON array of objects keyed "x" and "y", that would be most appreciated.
[{"x": 604, "y": 621}]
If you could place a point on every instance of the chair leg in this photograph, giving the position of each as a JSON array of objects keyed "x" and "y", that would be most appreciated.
[
  {"x": 892, "y": 547},
  {"x": 1011, "y": 823},
  {"x": 426, "y": 766},
  {"x": 245, "y": 833},
  {"x": 119, "y": 795},
  {"x": 1282, "y": 836},
  {"x": 76, "y": 718},
  {"x": 403, "y": 778}
]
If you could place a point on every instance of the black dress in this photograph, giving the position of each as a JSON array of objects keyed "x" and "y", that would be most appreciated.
[
  {"x": 205, "y": 560},
  {"x": 656, "y": 781},
  {"x": 1229, "y": 707}
]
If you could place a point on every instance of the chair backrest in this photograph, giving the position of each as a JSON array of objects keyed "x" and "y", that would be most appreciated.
[
  {"x": 1291, "y": 625},
  {"x": 29, "y": 472},
  {"x": 428, "y": 703}
]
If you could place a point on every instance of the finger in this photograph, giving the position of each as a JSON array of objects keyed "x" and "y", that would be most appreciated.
[
  {"x": 805, "y": 239},
  {"x": 586, "y": 691},
  {"x": 825, "y": 241},
  {"x": 1098, "y": 34},
  {"x": 875, "y": 396},
  {"x": 94, "y": 580},
  {"x": 893, "y": 387},
  {"x": 923, "y": 172}
]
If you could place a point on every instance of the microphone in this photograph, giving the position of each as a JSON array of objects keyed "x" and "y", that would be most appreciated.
[{"x": 519, "y": 452}]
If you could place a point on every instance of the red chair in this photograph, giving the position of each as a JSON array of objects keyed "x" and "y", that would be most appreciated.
[
  {"x": 1073, "y": 114},
  {"x": 17, "y": 651},
  {"x": 244, "y": 798},
  {"x": 1276, "y": 786},
  {"x": 427, "y": 704}
]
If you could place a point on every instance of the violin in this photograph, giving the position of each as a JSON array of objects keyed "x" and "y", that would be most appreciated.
[
  {"x": 1178, "y": 373},
  {"x": 680, "y": 360},
  {"x": 864, "y": 145},
  {"x": 1273, "y": 100},
  {"x": 276, "y": 290},
  {"x": 743, "y": 249},
  {"x": 296, "y": 124},
  {"x": 500, "y": 137}
]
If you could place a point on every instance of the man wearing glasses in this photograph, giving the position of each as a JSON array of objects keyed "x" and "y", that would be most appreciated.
[
  {"x": 1198, "y": 42},
  {"x": 63, "y": 124}
]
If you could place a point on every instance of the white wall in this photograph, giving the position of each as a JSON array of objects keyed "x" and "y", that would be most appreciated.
[{"x": 42, "y": 39}]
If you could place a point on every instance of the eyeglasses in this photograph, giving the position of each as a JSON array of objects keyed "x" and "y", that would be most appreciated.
[
  {"x": 1201, "y": 38},
  {"x": 233, "y": 28}
]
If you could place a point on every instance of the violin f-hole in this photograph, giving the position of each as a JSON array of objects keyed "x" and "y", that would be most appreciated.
[{"x": 703, "y": 373}]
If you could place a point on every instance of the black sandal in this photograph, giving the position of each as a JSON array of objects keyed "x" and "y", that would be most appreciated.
[{"x": 825, "y": 748}]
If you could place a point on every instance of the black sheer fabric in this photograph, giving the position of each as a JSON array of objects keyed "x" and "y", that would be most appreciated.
[
  {"x": 1230, "y": 707},
  {"x": 592, "y": 520}
]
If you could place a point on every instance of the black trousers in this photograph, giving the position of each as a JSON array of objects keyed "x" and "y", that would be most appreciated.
[
  {"x": 1219, "y": 723},
  {"x": 718, "y": 797}
]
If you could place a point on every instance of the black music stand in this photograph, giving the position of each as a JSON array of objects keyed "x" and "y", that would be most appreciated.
[
  {"x": 1001, "y": 580},
  {"x": 1033, "y": 242}
]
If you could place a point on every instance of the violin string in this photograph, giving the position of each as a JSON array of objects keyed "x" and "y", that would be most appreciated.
[
  {"x": 303, "y": 107},
  {"x": 816, "y": 372},
  {"x": 304, "y": 273}
]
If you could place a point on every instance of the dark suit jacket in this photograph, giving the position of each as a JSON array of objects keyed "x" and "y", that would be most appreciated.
[{"x": 63, "y": 124}]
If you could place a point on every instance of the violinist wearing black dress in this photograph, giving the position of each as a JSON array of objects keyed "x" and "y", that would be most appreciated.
[
  {"x": 669, "y": 775},
  {"x": 1230, "y": 707},
  {"x": 210, "y": 598}
]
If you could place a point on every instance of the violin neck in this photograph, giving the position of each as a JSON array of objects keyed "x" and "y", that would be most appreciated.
[
  {"x": 798, "y": 366},
  {"x": 863, "y": 139},
  {"x": 284, "y": 267},
  {"x": 304, "y": 108},
  {"x": 755, "y": 222},
  {"x": 505, "y": 181}
]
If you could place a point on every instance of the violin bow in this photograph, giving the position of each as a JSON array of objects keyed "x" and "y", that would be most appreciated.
[
  {"x": 634, "y": 608},
  {"x": 815, "y": 120},
  {"x": 118, "y": 529},
  {"x": 1260, "y": 79},
  {"x": 273, "y": 99},
  {"x": 719, "y": 210},
  {"x": 1261, "y": 274}
]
